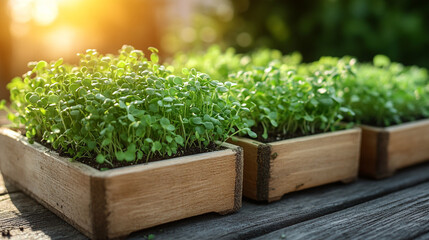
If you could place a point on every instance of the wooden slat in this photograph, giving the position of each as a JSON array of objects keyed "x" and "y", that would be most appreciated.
[
  {"x": 255, "y": 219},
  {"x": 170, "y": 190},
  {"x": 24, "y": 218},
  {"x": 114, "y": 203},
  {"x": 250, "y": 171},
  {"x": 313, "y": 161},
  {"x": 408, "y": 144},
  {"x": 385, "y": 150},
  {"x": 424, "y": 236},
  {"x": 400, "y": 215},
  {"x": 52, "y": 180}
]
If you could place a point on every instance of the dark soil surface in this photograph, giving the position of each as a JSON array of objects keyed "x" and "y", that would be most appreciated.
[
  {"x": 274, "y": 136},
  {"x": 156, "y": 157}
]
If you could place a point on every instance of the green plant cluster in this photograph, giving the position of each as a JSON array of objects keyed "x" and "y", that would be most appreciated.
[
  {"x": 285, "y": 97},
  {"x": 125, "y": 107},
  {"x": 220, "y": 64},
  {"x": 386, "y": 93}
]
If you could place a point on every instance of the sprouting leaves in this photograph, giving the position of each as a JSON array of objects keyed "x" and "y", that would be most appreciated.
[
  {"x": 122, "y": 108},
  {"x": 277, "y": 94},
  {"x": 386, "y": 93}
]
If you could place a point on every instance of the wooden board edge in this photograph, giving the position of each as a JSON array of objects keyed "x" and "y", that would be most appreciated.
[
  {"x": 167, "y": 162},
  {"x": 264, "y": 174},
  {"x": 408, "y": 125},
  {"x": 85, "y": 169},
  {"x": 249, "y": 141},
  {"x": 397, "y": 127},
  {"x": 316, "y": 136},
  {"x": 52, "y": 209},
  {"x": 238, "y": 188},
  {"x": 98, "y": 207}
]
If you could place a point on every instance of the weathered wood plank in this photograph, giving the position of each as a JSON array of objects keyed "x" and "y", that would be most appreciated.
[
  {"x": 400, "y": 215},
  {"x": 255, "y": 219},
  {"x": 274, "y": 169},
  {"x": 114, "y": 203},
  {"x": 424, "y": 236},
  {"x": 23, "y": 218},
  {"x": 385, "y": 150},
  {"x": 6, "y": 186}
]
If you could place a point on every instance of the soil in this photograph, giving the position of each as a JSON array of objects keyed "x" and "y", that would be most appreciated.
[
  {"x": 274, "y": 136},
  {"x": 374, "y": 123},
  {"x": 156, "y": 157}
]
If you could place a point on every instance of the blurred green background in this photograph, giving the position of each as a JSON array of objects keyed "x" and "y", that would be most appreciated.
[{"x": 360, "y": 28}]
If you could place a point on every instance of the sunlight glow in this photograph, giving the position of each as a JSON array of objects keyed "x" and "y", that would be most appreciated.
[{"x": 45, "y": 11}]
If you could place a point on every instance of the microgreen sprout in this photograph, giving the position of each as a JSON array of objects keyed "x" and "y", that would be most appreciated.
[
  {"x": 284, "y": 97},
  {"x": 386, "y": 93},
  {"x": 123, "y": 108}
]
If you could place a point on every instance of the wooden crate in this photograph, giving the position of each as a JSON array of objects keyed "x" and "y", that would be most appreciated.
[
  {"x": 114, "y": 203},
  {"x": 274, "y": 169},
  {"x": 385, "y": 150}
]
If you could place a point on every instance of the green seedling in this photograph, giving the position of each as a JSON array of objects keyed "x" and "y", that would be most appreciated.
[
  {"x": 123, "y": 108},
  {"x": 282, "y": 96},
  {"x": 386, "y": 93}
]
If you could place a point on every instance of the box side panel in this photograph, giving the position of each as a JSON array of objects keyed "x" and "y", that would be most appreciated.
[
  {"x": 368, "y": 157},
  {"x": 250, "y": 172},
  {"x": 314, "y": 162},
  {"x": 51, "y": 181},
  {"x": 158, "y": 195},
  {"x": 408, "y": 146}
]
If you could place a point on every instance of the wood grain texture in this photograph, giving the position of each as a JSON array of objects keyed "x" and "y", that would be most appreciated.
[
  {"x": 277, "y": 168},
  {"x": 55, "y": 182},
  {"x": 116, "y": 202},
  {"x": 313, "y": 161},
  {"x": 250, "y": 170},
  {"x": 385, "y": 150},
  {"x": 369, "y": 155},
  {"x": 255, "y": 219},
  {"x": 170, "y": 190},
  {"x": 408, "y": 144},
  {"x": 400, "y": 215},
  {"x": 23, "y": 218}
]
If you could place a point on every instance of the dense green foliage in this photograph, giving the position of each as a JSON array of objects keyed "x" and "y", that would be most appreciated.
[
  {"x": 285, "y": 98},
  {"x": 219, "y": 64},
  {"x": 123, "y": 107},
  {"x": 361, "y": 28},
  {"x": 385, "y": 93}
]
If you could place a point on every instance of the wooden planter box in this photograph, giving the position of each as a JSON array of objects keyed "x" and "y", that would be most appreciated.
[
  {"x": 113, "y": 203},
  {"x": 385, "y": 150},
  {"x": 274, "y": 169}
]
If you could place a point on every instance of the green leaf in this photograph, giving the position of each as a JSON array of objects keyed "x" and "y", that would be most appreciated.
[
  {"x": 2, "y": 104},
  {"x": 131, "y": 118},
  {"x": 154, "y": 58},
  {"x": 40, "y": 65},
  {"x": 156, "y": 146},
  {"x": 122, "y": 104},
  {"x": 178, "y": 80},
  {"x": 120, "y": 156},
  {"x": 33, "y": 99},
  {"x": 168, "y": 99},
  {"x": 196, "y": 120},
  {"x": 179, "y": 140},
  {"x": 100, "y": 158},
  {"x": 164, "y": 122},
  {"x": 251, "y": 134},
  {"x": 208, "y": 125}
]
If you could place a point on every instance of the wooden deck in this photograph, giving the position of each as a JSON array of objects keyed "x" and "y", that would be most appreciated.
[{"x": 393, "y": 208}]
